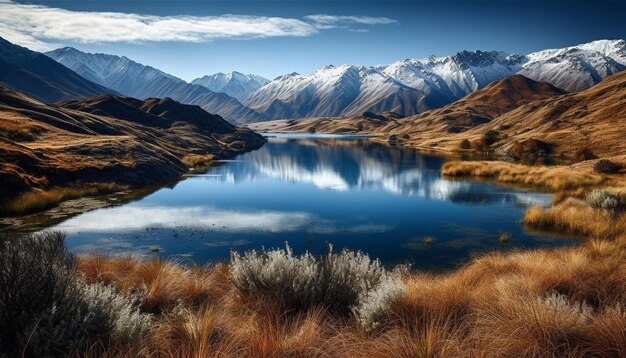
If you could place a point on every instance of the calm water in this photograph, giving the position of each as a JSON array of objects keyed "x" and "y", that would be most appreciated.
[{"x": 309, "y": 191}]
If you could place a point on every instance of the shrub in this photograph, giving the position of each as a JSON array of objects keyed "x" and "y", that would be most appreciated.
[
  {"x": 340, "y": 282},
  {"x": 46, "y": 309},
  {"x": 606, "y": 166},
  {"x": 465, "y": 144},
  {"x": 490, "y": 137},
  {"x": 583, "y": 154},
  {"x": 611, "y": 203}
]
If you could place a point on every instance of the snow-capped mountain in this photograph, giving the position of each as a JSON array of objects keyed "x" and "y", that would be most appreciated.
[
  {"x": 413, "y": 86},
  {"x": 234, "y": 84},
  {"x": 578, "y": 67},
  {"x": 40, "y": 77},
  {"x": 136, "y": 80}
]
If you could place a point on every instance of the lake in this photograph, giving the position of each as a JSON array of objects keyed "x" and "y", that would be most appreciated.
[{"x": 312, "y": 190}]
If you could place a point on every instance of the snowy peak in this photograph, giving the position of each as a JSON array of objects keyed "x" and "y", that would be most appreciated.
[
  {"x": 415, "y": 85},
  {"x": 234, "y": 84}
]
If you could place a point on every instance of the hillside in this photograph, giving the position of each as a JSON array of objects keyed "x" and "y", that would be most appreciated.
[
  {"x": 594, "y": 119},
  {"x": 106, "y": 139},
  {"x": 42, "y": 78}
]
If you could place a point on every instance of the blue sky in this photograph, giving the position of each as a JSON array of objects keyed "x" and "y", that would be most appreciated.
[{"x": 192, "y": 38}]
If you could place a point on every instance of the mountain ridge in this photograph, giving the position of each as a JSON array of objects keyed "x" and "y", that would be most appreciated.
[
  {"x": 41, "y": 77},
  {"x": 136, "y": 80}
]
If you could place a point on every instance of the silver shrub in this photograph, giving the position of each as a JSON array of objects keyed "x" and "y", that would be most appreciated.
[
  {"x": 46, "y": 309},
  {"x": 559, "y": 302},
  {"x": 610, "y": 202},
  {"x": 126, "y": 321},
  {"x": 374, "y": 306},
  {"x": 342, "y": 282},
  {"x": 94, "y": 312}
]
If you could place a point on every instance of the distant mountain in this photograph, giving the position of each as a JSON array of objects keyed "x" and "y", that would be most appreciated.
[
  {"x": 413, "y": 86},
  {"x": 136, "y": 80},
  {"x": 234, "y": 84},
  {"x": 40, "y": 77},
  {"x": 473, "y": 110}
]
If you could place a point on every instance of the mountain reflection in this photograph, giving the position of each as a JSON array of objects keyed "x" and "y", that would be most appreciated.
[{"x": 344, "y": 165}]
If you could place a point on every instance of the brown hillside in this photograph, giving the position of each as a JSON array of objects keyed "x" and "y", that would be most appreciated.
[
  {"x": 593, "y": 119},
  {"x": 43, "y": 146}
]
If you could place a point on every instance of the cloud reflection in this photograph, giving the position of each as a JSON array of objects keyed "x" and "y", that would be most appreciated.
[{"x": 136, "y": 218}]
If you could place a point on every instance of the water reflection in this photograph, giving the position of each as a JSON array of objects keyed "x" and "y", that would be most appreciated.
[
  {"x": 310, "y": 191},
  {"x": 343, "y": 165}
]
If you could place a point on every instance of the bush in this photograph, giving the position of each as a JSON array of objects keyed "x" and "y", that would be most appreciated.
[
  {"x": 340, "y": 282},
  {"x": 46, "y": 309},
  {"x": 465, "y": 144},
  {"x": 583, "y": 154},
  {"x": 606, "y": 166},
  {"x": 490, "y": 137},
  {"x": 611, "y": 203}
]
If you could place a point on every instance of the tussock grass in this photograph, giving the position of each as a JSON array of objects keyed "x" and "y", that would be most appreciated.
[
  {"x": 192, "y": 161},
  {"x": 539, "y": 303},
  {"x": 39, "y": 200},
  {"x": 565, "y": 302},
  {"x": 557, "y": 178},
  {"x": 576, "y": 217}
]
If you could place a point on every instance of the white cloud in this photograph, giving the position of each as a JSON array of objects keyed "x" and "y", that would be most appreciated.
[
  {"x": 322, "y": 21},
  {"x": 38, "y": 26}
]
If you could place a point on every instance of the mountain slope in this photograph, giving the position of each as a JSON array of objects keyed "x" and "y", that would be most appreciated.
[
  {"x": 106, "y": 139},
  {"x": 473, "y": 110},
  {"x": 414, "y": 86},
  {"x": 136, "y": 80},
  {"x": 234, "y": 84},
  {"x": 40, "y": 77},
  {"x": 594, "y": 119}
]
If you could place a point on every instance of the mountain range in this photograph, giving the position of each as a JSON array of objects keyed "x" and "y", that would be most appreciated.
[
  {"x": 133, "y": 79},
  {"x": 407, "y": 87},
  {"x": 413, "y": 86}
]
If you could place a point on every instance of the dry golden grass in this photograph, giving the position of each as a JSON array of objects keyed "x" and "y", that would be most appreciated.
[
  {"x": 38, "y": 200},
  {"x": 556, "y": 178},
  {"x": 565, "y": 302},
  {"x": 574, "y": 216},
  {"x": 195, "y": 160}
]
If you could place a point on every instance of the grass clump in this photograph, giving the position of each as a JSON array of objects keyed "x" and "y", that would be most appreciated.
[
  {"x": 192, "y": 161},
  {"x": 551, "y": 178},
  {"x": 38, "y": 200}
]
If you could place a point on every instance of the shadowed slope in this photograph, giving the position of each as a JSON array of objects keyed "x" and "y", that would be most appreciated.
[
  {"x": 41, "y": 77},
  {"x": 110, "y": 139}
]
